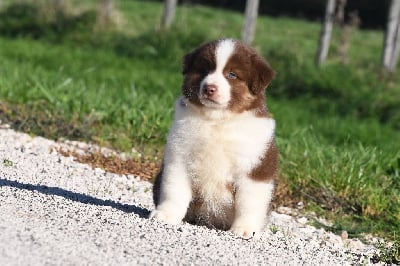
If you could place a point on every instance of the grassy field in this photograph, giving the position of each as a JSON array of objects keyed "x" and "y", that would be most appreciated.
[{"x": 338, "y": 126}]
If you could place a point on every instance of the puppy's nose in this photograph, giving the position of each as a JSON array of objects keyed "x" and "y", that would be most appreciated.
[{"x": 210, "y": 89}]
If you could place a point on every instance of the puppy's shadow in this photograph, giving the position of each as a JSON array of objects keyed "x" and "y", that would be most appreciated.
[{"x": 75, "y": 196}]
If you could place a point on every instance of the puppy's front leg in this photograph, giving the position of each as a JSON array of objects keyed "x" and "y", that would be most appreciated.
[
  {"x": 252, "y": 199},
  {"x": 175, "y": 193}
]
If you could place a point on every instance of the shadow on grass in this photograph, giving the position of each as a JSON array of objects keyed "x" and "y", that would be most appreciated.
[
  {"x": 75, "y": 196},
  {"x": 41, "y": 118}
]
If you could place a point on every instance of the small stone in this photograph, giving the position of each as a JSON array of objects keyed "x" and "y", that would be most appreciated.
[
  {"x": 287, "y": 210},
  {"x": 344, "y": 235},
  {"x": 355, "y": 244},
  {"x": 302, "y": 220},
  {"x": 300, "y": 205}
]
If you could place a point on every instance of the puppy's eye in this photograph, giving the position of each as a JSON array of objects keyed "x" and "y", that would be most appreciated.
[
  {"x": 231, "y": 75},
  {"x": 205, "y": 72}
]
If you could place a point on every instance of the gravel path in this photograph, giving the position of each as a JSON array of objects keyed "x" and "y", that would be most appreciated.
[{"x": 55, "y": 211}]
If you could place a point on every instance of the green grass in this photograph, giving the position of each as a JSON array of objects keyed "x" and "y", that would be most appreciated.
[
  {"x": 389, "y": 254},
  {"x": 338, "y": 126}
]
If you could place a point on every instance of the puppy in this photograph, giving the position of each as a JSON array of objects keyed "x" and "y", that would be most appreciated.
[{"x": 220, "y": 161}]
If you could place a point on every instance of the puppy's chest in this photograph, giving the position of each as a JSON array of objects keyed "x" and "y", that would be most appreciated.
[
  {"x": 213, "y": 165},
  {"x": 219, "y": 153},
  {"x": 212, "y": 156}
]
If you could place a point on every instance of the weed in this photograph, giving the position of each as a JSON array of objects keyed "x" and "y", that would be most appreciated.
[
  {"x": 388, "y": 254},
  {"x": 273, "y": 228},
  {"x": 8, "y": 163}
]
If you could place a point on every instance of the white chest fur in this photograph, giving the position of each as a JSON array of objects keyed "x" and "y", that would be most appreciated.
[{"x": 215, "y": 150}]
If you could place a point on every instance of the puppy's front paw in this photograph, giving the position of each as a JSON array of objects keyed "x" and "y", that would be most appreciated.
[
  {"x": 165, "y": 216},
  {"x": 245, "y": 232}
]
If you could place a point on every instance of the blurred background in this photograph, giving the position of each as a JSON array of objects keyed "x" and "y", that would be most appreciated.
[
  {"x": 107, "y": 72},
  {"x": 372, "y": 13}
]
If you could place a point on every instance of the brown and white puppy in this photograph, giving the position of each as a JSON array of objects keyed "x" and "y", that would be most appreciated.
[{"x": 220, "y": 160}]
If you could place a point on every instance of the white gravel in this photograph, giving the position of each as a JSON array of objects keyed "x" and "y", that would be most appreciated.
[{"x": 54, "y": 211}]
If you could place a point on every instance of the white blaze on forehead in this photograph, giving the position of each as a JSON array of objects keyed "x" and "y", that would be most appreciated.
[
  {"x": 221, "y": 98},
  {"x": 223, "y": 53}
]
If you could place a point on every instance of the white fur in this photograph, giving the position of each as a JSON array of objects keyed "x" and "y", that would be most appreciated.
[
  {"x": 223, "y": 52},
  {"x": 205, "y": 153},
  {"x": 173, "y": 205},
  {"x": 251, "y": 205}
]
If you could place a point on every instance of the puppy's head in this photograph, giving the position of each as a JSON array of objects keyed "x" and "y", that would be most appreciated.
[{"x": 226, "y": 74}]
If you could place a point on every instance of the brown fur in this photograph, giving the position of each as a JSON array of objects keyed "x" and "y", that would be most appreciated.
[
  {"x": 267, "y": 170},
  {"x": 196, "y": 65},
  {"x": 157, "y": 186},
  {"x": 195, "y": 215},
  {"x": 248, "y": 89}
]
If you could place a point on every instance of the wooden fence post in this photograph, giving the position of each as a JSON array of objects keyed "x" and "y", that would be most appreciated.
[
  {"x": 250, "y": 22},
  {"x": 392, "y": 39},
  {"x": 326, "y": 32},
  {"x": 169, "y": 13}
]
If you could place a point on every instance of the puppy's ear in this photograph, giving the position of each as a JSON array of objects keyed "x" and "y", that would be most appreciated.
[
  {"x": 262, "y": 74},
  {"x": 188, "y": 60}
]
